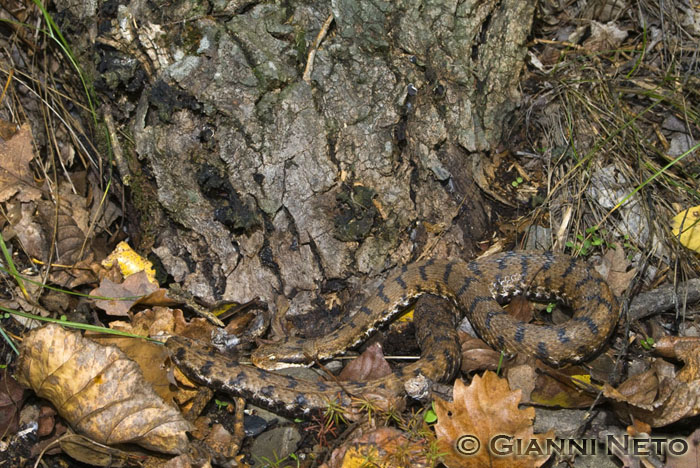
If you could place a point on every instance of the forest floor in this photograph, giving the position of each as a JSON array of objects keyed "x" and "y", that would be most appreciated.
[{"x": 600, "y": 160}]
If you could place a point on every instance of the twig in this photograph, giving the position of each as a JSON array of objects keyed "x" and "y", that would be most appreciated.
[
  {"x": 664, "y": 298},
  {"x": 312, "y": 53}
]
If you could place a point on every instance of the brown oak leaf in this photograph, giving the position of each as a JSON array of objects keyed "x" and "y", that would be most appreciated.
[{"x": 467, "y": 428}]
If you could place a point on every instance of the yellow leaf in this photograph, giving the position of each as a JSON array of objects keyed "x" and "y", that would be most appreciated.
[
  {"x": 586, "y": 378},
  {"x": 686, "y": 228},
  {"x": 355, "y": 458},
  {"x": 407, "y": 316},
  {"x": 130, "y": 262},
  {"x": 385, "y": 448}
]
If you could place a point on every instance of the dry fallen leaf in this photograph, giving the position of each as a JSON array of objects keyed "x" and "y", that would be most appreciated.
[
  {"x": 477, "y": 355},
  {"x": 481, "y": 411},
  {"x": 484, "y": 172},
  {"x": 606, "y": 36},
  {"x": 616, "y": 271},
  {"x": 676, "y": 347},
  {"x": 88, "y": 451},
  {"x": 381, "y": 448},
  {"x": 691, "y": 458},
  {"x": 15, "y": 174},
  {"x": 686, "y": 228},
  {"x": 662, "y": 395},
  {"x": 99, "y": 391},
  {"x": 71, "y": 245},
  {"x": 222, "y": 442},
  {"x": 29, "y": 231},
  {"x": 563, "y": 392},
  {"x": 166, "y": 321},
  {"x": 367, "y": 366},
  {"x": 522, "y": 377},
  {"x": 521, "y": 309},
  {"x": 639, "y": 429},
  {"x": 7, "y": 129},
  {"x": 47, "y": 420},
  {"x": 154, "y": 322},
  {"x": 151, "y": 358},
  {"x": 129, "y": 262},
  {"x": 135, "y": 289},
  {"x": 11, "y": 400},
  {"x": 560, "y": 389}
]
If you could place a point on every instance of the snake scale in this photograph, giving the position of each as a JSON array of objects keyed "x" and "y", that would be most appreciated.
[{"x": 472, "y": 286}]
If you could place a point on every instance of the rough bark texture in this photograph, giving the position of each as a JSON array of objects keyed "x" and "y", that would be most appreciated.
[{"x": 274, "y": 187}]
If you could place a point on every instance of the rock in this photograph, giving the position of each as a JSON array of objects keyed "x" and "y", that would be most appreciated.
[{"x": 275, "y": 444}]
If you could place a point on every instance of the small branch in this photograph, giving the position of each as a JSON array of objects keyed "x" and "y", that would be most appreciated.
[
  {"x": 312, "y": 53},
  {"x": 664, "y": 298}
]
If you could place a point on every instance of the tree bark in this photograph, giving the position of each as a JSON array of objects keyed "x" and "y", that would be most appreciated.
[{"x": 275, "y": 187}]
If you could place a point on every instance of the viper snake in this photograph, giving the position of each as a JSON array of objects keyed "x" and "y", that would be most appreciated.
[{"x": 473, "y": 286}]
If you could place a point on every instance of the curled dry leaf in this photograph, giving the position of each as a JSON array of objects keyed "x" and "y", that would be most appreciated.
[
  {"x": 99, "y": 391},
  {"x": 88, "y": 451},
  {"x": 72, "y": 248},
  {"x": 615, "y": 268},
  {"x": 150, "y": 357},
  {"x": 477, "y": 355},
  {"x": 367, "y": 366},
  {"x": 481, "y": 411},
  {"x": 662, "y": 395},
  {"x": 569, "y": 387},
  {"x": 604, "y": 36},
  {"x": 47, "y": 420},
  {"x": 676, "y": 347},
  {"x": 166, "y": 321},
  {"x": 222, "y": 442},
  {"x": 7, "y": 129},
  {"x": 521, "y": 309},
  {"x": 558, "y": 391},
  {"x": 29, "y": 232}
]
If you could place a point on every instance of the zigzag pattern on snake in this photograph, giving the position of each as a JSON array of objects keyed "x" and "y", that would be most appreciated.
[{"x": 472, "y": 286}]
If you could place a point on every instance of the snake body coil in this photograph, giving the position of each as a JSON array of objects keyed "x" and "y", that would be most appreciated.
[{"x": 472, "y": 286}]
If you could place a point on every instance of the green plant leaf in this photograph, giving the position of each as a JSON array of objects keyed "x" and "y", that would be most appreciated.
[{"x": 430, "y": 416}]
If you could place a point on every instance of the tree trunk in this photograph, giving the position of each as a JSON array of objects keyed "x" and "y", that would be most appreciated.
[{"x": 275, "y": 187}]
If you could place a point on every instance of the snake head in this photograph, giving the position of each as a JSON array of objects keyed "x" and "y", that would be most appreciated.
[{"x": 291, "y": 352}]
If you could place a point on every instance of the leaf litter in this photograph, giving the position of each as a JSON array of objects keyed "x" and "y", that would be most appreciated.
[
  {"x": 16, "y": 176},
  {"x": 660, "y": 394}
]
